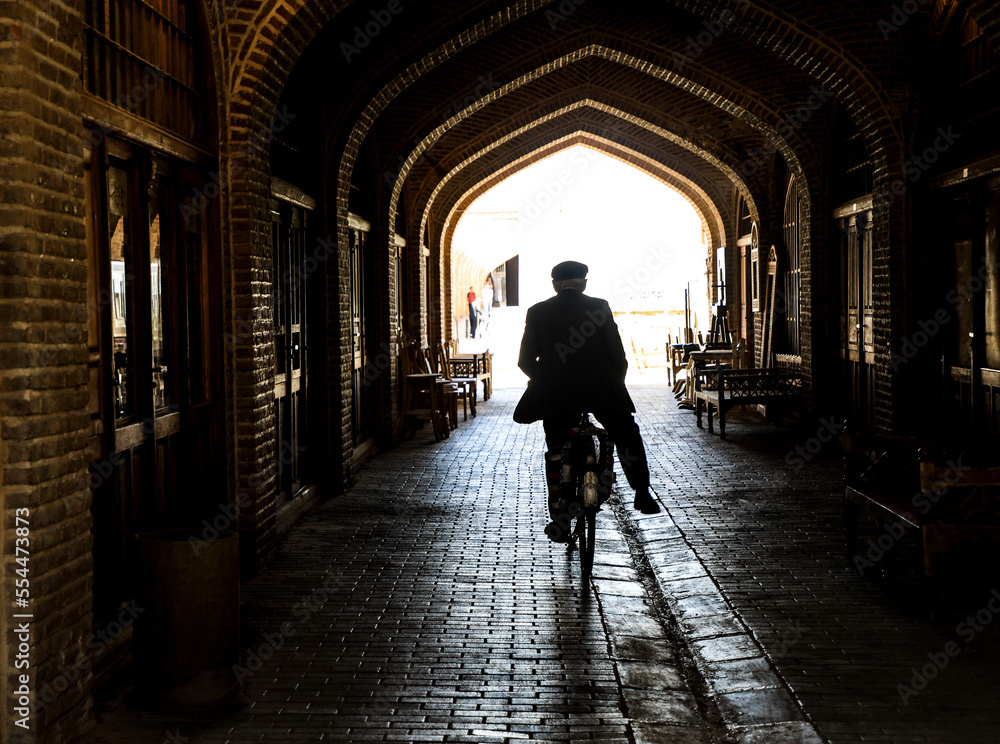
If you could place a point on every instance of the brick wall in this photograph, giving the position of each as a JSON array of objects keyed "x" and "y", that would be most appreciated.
[
  {"x": 599, "y": 74},
  {"x": 44, "y": 421}
]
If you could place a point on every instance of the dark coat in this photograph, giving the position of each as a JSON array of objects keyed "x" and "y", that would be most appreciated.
[{"x": 574, "y": 359}]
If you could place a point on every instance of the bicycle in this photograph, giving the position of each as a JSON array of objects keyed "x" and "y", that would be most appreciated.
[{"x": 586, "y": 478}]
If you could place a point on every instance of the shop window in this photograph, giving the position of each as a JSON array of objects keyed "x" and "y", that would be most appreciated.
[
  {"x": 156, "y": 354},
  {"x": 122, "y": 272}
]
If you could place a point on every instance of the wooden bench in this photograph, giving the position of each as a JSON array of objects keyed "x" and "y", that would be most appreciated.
[
  {"x": 727, "y": 388},
  {"x": 699, "y": 360},
  {"x": 951, "y": 506}
]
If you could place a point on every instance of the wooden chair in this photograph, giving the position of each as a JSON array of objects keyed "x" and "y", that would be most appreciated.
[
  {"x": 487, "y": 374},
  {"x": 468, "y": 386},
  {"x": 450, "y": 393},
  {"x": 676, "y": 362},
  {"x": 422, "y": 396}
]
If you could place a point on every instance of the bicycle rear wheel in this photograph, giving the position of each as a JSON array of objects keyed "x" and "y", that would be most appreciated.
[{"x": 586, "y": 529}]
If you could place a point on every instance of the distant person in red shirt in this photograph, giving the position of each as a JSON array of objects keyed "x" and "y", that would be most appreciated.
[{"x": 471, "y": 297}]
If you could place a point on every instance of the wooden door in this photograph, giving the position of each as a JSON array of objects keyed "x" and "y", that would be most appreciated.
[
  {"x": 857, "y": 315},
  {"x": 155, "y": 355},
  {"x": 363, "y": 398},
  {"x": 291, "y": 274}
]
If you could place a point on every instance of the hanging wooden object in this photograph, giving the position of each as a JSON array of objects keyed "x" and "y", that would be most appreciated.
[{"x": 769, "y": 298}]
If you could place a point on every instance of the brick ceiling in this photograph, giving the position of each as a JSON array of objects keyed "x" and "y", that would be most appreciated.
[{"x": 449, "y": 94}]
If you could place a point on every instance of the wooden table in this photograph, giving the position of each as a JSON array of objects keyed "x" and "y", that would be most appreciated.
[
  {"x": 478, "y": 365},
  {"x": 697, "y": 362}
]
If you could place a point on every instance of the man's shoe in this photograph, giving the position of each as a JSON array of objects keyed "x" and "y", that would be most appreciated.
[
  {"x": 645, "y": 503},
  {"x": 556, "y": 533}
]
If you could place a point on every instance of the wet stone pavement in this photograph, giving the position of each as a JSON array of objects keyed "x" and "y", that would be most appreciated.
[
  {"x": 763, "y": 519},
  {"x": 426, "y": 605}
]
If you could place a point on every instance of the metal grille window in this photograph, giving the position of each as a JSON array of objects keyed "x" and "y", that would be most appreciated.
[{"x": 142, "y": 57}]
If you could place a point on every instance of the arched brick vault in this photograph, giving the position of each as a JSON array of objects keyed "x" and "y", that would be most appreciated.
[
  {"x": 838, "y": 45},
  {"x": 459, "y": 196},
  {"x": 585, "y": 119},
  {"x": 687, "y": 172},
  {"x": 510, "y": 139},
  {"x": 713, "y": 222},
  {"x": 452, "y": 205},
  {"x": 597, "y": 122},
  {"x": 587, "y": 64},
  {"x": 438, "y": 192},
  {"x": 635, "y": 75},
  {"x": 707, "y": 91},
  {"x": 560, "y": 88},
  {"x": 552, "y": 83}
]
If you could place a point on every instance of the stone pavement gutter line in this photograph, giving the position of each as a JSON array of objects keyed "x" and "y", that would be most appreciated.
[
  {"x": 756, "y": 704},
  {"x": 659, "y": 691}
]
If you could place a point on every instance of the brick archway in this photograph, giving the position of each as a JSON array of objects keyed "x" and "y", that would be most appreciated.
[
  {"x": 753, "y": 119},
  {"x": 658, "y": 73},
  {"x": 682, "y": 183},
  {"x": 599, "y": 123},
  {"x": 266, "y": 40},
  {"x": 707, "y": 210},
  {"x": 283, "y": 32}
]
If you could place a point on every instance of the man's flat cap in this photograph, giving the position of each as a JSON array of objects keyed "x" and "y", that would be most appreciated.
[{"x": 569, "y": 270}]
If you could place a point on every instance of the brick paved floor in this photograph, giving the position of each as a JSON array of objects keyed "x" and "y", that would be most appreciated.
[
  {"x": 425, "y": 605},
  {"x": 769, "y": 533}
]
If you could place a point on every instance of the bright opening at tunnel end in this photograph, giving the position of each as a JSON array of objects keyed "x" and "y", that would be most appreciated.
[{"x": 644, "y": 243}]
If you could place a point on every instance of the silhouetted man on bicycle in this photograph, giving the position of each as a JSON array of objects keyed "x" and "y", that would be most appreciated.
[{"x": 573, "y": 356}]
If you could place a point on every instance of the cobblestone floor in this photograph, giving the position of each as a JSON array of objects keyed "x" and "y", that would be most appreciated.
[
  {"x": 767, "y": 527},
  {"x": 426, "y": 605}
]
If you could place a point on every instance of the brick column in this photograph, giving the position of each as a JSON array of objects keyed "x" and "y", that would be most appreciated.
[
  {"x": 44, "y": 421},
  {"x": 249, "y": 334}
]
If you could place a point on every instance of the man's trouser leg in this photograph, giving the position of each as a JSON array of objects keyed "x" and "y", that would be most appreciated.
[
  {"x": 624, "y": 431},
  {"x": 556, "y": 436}
]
